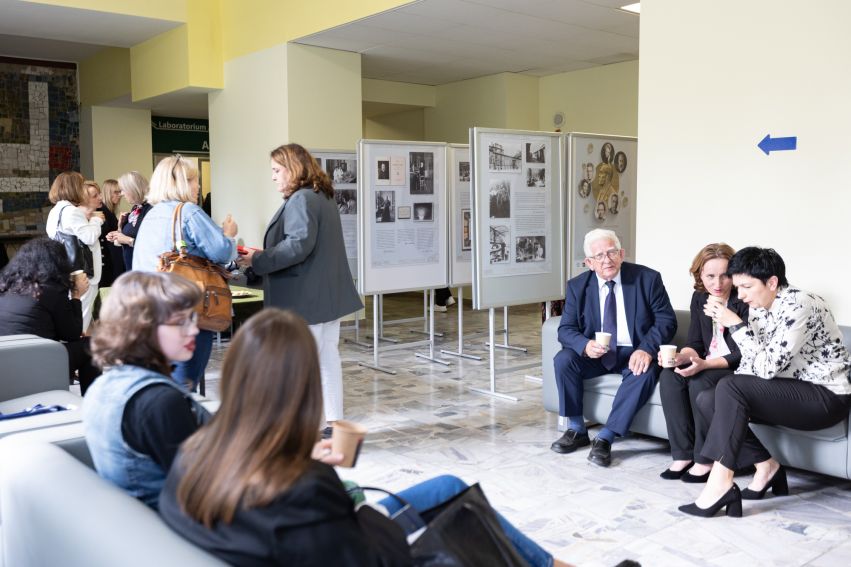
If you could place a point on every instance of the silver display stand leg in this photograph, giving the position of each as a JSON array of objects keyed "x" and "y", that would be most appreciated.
[
  {"x": 539, "y": 379},
  {"x": 376, "y": 300},
  {"x": 492, "y": 392},
  {"x": 428, "y": 328},
  {"x": 356, "y": 340},
  {"x": 380, "y": 327},
  {"x": 461, "y": 352},
  {"x": 430, "y": 356},
  {"x": 505, "y": 344}
]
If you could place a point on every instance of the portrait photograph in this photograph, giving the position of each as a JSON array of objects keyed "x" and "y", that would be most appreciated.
[
  {"x": 342, "y": 170},
  {"x": 620, "y": 162},
  {"x": 584, "y": 188},
  {"x": 500, "y": 199},
  {"x": 607, "y": 153},
  {"x": 421, "y": 173},
  {"x": 504, "y": 157},
  {"x": 600, "y": 211},
  {"x": 404, "y": 212},
  {"x": 499, "y": 237},
  {"x": 535, "y": 152},
  {"x": 464, "y": 171},
  {"x": 347, "y": 201},
  {"x": 466, "y": 239},
  {"x": 385, "y": 206},
  {"x": 536, "y": 177},
  {"x": 423, "y": 212},
  {"x": 613, "y": 204},
  {"x": 382, "y": 171},
  {"x": 530, "y": 249}
]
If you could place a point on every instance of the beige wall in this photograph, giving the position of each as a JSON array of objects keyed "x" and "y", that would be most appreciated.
[
  {"x": 113, "y": 141},
  {"x": 248, "y": 118},
  {"x": 704, "y": 104},
  {"x": 599, "y": 100},
  {"x": 408, "y": 125}
]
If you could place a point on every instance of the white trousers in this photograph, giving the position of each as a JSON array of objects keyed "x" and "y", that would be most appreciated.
[
  {"x": 88, "y": 301},
  {"x": 327, "y": 337}
]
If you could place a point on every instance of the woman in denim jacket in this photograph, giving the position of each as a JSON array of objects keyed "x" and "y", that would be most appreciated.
[{"x": 175, "y": 181}]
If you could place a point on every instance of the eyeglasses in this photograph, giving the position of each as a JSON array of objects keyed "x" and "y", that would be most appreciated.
[
  {"x": 185, "y": 324},
  {"x": 612, "y": 254},
  {"x": 177, "y": 159}
]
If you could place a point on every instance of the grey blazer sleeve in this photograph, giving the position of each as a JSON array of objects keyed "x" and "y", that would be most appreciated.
[{"x": 300, "y": 226}]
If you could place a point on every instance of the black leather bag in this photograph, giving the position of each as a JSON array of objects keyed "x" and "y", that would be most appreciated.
[{"x": 79, "y": 254}]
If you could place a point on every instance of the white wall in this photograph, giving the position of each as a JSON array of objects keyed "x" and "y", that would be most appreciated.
[
  {"x": 248, "y": 118},
  {"x": 715, "y": 78}
]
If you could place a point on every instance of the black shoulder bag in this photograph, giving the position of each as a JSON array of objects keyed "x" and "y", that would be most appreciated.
[{"x": 79, "y": 254}]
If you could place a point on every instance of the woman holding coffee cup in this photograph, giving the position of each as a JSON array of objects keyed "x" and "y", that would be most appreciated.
[
  {"x": 249, "y": 486},
  {"x": 710, "y": 355}
]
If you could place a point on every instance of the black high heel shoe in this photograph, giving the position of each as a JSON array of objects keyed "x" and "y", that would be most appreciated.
[
  {"x": 732, "y": 500},
  {"x": 778, "y": 484},
  {"x": 668, "y": 474},
  {"x": 695, "y": 478}
]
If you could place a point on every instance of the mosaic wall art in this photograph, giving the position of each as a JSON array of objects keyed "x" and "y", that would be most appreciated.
[{"x": 39, "y": 138}]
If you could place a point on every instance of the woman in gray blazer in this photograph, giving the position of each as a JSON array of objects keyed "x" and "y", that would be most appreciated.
[{"x": 304, "y": 262}]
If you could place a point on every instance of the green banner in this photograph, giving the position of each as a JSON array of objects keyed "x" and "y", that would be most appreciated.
[{"x": 180, "y": 135}]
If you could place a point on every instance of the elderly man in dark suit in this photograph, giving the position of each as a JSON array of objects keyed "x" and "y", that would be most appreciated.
[{"x": 628, "y": 301}]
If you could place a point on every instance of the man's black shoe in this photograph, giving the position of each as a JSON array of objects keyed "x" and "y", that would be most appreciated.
[
  {"x": 570, "y": 441},
  {"x": 601, "y": 452}
]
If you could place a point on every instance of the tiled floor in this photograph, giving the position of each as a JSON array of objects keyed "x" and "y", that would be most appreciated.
[{"x": 424, "y": 421}]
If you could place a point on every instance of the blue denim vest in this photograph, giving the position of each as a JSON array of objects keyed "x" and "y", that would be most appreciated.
[{"x": 103, "y": 410}]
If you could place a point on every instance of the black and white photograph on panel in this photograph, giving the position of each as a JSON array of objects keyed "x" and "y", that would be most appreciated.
[
  {"x": 347, "y": 201},
  {"x": 423, "y": 212},
  {"x": 499, "y": 241},
  {"x": 421, "y": 173},
  {"x": 466, "y": 239},
  {"x": 342, "y": 170},
  {"x": 463, "y": 171},
  {"x": 504, "y": 156},
  {"x": 536, "y": 177},
  {"x": 500, "y": 199},
  {"x": 382, "y": 167},
  {"x": 403, "y": 212},
  {"x": 530, "y": 249},
  {"x": 385, "y": 206},
  {"x": 535, "y": 152}
]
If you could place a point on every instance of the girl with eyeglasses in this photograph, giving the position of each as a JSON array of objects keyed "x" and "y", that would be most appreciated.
[
  {"x": 175, "y": 182},
  {"x": 136, "y": 415}
]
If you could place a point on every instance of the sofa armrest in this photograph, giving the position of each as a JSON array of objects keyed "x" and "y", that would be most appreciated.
[{"x": 31, "y": 365}]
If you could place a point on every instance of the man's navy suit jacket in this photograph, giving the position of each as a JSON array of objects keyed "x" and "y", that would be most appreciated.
[{"x": 649, "y": 314}]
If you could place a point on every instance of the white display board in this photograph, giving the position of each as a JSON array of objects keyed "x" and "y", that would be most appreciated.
[
  {"x": 518, "y": 217},
  {"x": 601, "y": 173},
  {"x": 461, "y": 215},
  {"x": 403, "y": 227},
  {"x": 342, "y": 168}
]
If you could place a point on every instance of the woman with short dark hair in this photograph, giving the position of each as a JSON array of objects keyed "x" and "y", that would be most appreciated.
[
  {"x": 794, "y": 372},
  {"x": 34, "y": 299}
]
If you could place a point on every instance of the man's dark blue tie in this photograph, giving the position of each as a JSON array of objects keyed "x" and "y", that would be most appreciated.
[{"x": 610, "y": 325}]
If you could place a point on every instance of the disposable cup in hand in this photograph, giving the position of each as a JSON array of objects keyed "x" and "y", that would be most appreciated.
[
  {"x": 669, "y": 355},
  {"x": 347, "y": 438},
  {"x": 78, "y": 275},
  {"x": 603, "y": 338}
]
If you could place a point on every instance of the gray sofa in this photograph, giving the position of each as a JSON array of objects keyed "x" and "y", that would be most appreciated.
[
  {"x": 824, "y": 451},
  {"x": 57, "y": 511}
]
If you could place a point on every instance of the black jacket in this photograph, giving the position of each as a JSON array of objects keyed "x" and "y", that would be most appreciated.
[
  {"x": 700, "y": 329},
  {"x": 51, "y": 316}
]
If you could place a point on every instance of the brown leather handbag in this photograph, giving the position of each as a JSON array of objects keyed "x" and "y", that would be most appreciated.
[{"x": 215, "y": 311}]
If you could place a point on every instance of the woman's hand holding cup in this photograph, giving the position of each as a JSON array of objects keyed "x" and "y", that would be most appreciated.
[{"x": 80, "y": 284}]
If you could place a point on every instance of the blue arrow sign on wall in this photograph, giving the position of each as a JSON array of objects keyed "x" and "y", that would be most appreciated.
[{"x": 769, "y": 144}]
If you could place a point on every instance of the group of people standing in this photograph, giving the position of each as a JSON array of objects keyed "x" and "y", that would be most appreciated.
[{"x": 759, "y": 349}]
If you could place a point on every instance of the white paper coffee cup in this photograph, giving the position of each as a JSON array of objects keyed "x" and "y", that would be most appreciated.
[
  {"x": 603, "y": 338},
  {"x": 669, "y": 355}
]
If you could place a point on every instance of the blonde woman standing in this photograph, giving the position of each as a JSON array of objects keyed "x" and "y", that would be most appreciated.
[
  {"x": 134, "y": 188},
  {"x": 113, "y": 258}
]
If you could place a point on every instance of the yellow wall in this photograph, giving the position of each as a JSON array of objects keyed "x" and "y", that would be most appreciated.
[
  {"x": 205, "y": 44},
  {"x": 521, "y": 101},
  {"x": 324, "y": 98},
  {"x": 120, "y": 141},
  {"x": 160, "y": 65},
  {"x": 408, "y": 126},
  {"x": 253, "y": 25},
  {"x": 394, "y": 92},
  {"x": 105, "y": 76},
  {"x": 599, "y": 100},
  {"x": 174, "y": 10}
]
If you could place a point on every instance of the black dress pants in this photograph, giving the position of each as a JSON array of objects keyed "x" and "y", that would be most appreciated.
[
  {"x": 686, "y": 427},
  {"x": 80, "y": 360},
  {"x": 740, "y": 398}
]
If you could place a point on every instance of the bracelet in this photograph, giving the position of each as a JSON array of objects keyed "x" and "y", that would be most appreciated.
[{"x": 736, "y": 327}]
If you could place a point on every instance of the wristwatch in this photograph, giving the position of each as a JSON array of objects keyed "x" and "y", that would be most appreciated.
[{"x": 736, "y": 327}]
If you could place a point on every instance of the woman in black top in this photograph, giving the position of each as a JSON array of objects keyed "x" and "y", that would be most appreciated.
[
  {"x": 34, "y": 289},
  {"x": 134, "y": 188},
  {"x": 710, "y": 355},
  {"x": 113, "y": 257}
]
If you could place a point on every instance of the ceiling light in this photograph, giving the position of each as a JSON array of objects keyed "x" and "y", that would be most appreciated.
[{"x": 634, "y": 8}]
